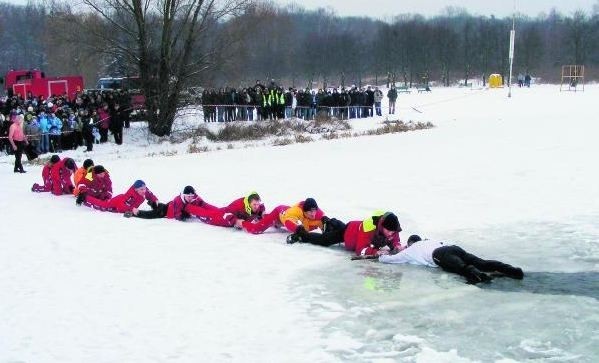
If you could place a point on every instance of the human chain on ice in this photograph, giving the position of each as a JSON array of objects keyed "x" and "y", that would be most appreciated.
[{"x": 377, "y": 236}]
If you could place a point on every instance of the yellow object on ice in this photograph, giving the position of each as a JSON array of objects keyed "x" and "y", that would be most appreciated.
[{"x": 495, "y": 81}]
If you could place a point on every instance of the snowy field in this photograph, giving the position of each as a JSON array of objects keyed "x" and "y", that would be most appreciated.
[{"x": 511, "y": 179}]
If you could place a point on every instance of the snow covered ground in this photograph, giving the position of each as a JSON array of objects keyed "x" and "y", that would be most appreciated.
[{"x": 512, "y": 179}]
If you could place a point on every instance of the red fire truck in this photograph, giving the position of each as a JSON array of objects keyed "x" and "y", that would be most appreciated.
[{"x": 22, "y": 82}]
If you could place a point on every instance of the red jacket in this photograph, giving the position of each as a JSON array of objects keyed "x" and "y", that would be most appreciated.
[
  {"x": 131, "y": 199},
  {"x": 240, "y": 210},
  {"x": 104, "y": 118},
  {"x": 46, "y": 175},
  {"x": 96, "y": 186},
  {"x": 176, "y": 208},
  {"x": 61, "y": 178},
  {"x": 357, "y": 240}
]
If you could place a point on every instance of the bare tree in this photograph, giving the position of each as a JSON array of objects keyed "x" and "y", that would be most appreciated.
[
  {"x": 580, "y": 32},
  {"x": 530, "y": 48},
  {"x": 167, "y": 41}
]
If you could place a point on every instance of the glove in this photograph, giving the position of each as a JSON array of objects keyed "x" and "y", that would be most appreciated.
[
  {"x": 184, "y": 216},
  {"x": 152, "y": 204},
  {"x": 379, "y": 241},
  {"x": 300, "y": 230}
]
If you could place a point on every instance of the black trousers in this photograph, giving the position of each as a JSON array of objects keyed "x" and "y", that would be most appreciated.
[
  {"x": 454, "y": 259},
  {"x": 159, "y": 212},
  {"x": 332, "y": 235},
  {"x": 18, "y": 155},
  {"x": 118, "y": 136},
  {"x": 89, "y": 140},
  {"x": 103, "y": 135}
]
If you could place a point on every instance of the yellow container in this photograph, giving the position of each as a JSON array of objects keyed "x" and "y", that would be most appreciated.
[{"x": 495, "y": 81}]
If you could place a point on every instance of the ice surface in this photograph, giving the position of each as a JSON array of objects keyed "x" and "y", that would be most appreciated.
[{"x": 511, "y": 179}]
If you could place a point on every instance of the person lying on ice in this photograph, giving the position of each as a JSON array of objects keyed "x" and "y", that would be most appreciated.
[
  {"x": 175, "y": 209},
  {"x": 96, "y": 183},
  {"x": 452, "y": 259},
  {"x": 375, "y": 235},
  {"x": 128, "y": 202},
  {"x": 305, "y": 214},
  {"x": 46, "y": 176},
  {"x": 61, "y": 176},
  {"x": 248, "y": 208},
  {"x": 209, "y": 214}
]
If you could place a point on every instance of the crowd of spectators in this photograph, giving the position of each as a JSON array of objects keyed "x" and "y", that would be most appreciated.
[
  {"x": 59, "y": 123},
  {"x": 272, "y": 102}
]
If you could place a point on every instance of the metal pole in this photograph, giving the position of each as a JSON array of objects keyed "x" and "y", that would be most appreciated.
[{"x": 512, "y": 39}]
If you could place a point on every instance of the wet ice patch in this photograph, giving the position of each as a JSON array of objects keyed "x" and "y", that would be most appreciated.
[
  {"x": 419, "y": 314},
  {"x": 537, "y": 350}
]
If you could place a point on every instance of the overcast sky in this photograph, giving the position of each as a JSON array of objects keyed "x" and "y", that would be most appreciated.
[
  {"x": 499, "y": 8},
  {"x": 388, "y": 8}
]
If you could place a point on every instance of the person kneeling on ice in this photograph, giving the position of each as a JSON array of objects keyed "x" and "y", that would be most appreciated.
[
  {"x": 81, "y": 173},
  {"x": 46, "y": 176},
  {"x": 305, "y": 214},
  {"x": 96, "y": 183},
  {"x": 174, "y": 209},
  {"x": 376, "y": 235},
  {"x": 61, "y": 176},
  {"x": 128, "y": 202},
  {"x": 452, "y": 259},
  {"x": 248, "y": 208}
]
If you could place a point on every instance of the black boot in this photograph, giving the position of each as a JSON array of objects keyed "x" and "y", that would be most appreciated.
[
  {"x": 297, "y": 236},
  {"x": 474, "y": 275},
  {"x": 80, "y": 198},
  {"x": 293, "y": 238}
]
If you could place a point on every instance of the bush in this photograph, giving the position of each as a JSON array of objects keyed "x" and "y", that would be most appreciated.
[
  {"x": 302, "y": 139},
  {"x": 282, "y": 142},
  {"x": 193, "y": 148},
  {"x": 398, "y": 126}
]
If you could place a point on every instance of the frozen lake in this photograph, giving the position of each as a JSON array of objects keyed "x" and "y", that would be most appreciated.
[{"x": 508, "y": 179}]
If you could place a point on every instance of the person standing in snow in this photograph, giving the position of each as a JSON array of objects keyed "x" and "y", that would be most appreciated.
[
  {"x": 127, "y": 202},
  {"x": 104, "y": 122},
  {"x": 18, "y": 140},
  {"x": 520, "y": 80},
  {"x": 451, "y": 258},
  {"x": 392, "y": 96},
  {"x": 117, "y": 122},
  {"x": 378, "y": 98},
  {"x": 374, "y": 236}
]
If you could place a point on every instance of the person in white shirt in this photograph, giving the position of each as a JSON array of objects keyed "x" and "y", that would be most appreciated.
[{"x": 452, "y": 259}]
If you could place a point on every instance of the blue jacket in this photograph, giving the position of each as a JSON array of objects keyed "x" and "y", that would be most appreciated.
[
  {"x": 55, "y": 125},
  {"x": 44, "y": 124}
]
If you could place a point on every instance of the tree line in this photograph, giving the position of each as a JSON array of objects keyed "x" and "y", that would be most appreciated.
[{"x": 235, "y": 42}]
